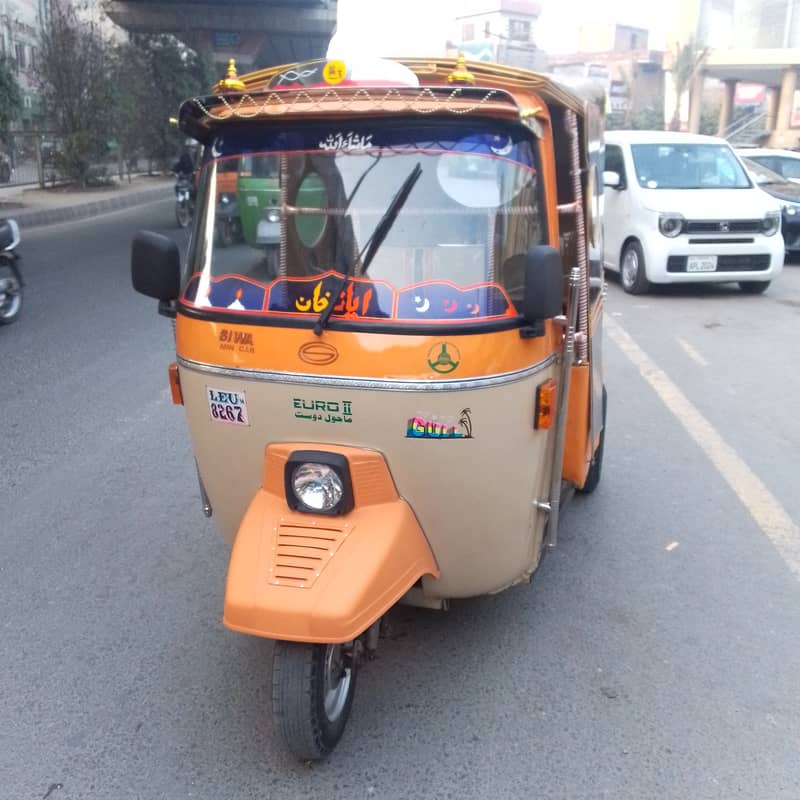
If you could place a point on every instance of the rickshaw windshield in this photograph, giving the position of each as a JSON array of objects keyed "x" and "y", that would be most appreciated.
[{"x": 310, "y": 200}]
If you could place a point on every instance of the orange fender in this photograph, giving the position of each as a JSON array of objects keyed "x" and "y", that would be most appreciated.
[{"x": 319, "y": 578}]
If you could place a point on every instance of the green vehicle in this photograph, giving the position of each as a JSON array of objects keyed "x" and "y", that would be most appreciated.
[{"x": 259, "y": 198}]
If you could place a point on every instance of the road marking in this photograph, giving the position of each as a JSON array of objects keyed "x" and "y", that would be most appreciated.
[
  {"x": 762, "y": 505},
  {"x": 691, "y": 352},
  {"x": 671, "y": 546}
]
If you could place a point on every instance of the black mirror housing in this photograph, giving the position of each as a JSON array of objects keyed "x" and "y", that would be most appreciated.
[
  {"x": 544, "y": 285},
  {"x": 156, "y": 266}
]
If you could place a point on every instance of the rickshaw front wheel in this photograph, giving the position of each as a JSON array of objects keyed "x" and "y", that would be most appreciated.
[{"x": 312, "y": 693}]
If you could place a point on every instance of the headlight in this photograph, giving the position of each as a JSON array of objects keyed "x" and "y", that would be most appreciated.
[
  {"x": 318, "y": 482},
  {"x": 317, "y": 486},
  {"x": 790, "y": 211},
  {"x": 225, "y": 198},
  {"x": 670, "y": 225},
  {"x": 771, "y": 224},
  {"x": 273, "y": 215}
]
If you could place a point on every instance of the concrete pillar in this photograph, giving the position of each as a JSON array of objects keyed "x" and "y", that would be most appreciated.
[
  {"x": 696, "y": 101},
  {"x": 786, "y": 100},
  {"x": 726, "y": 108},
  {"x": 770, "y": 108}
]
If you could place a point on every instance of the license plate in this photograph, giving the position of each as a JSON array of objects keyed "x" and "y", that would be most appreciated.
[
  {"x": 227, "y": 406},
  {"x": 701, "y": 263}
]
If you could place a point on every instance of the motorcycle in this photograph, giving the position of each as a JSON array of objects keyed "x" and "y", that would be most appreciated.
[
  {"x": 10, "y": 277},
  {"x": 227, "y": 227},
  {"x": 184, "y": 200}
]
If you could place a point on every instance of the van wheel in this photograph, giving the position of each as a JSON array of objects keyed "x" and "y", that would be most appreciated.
[
  {"x": 754, "y": 287},
  {"x": 593, "y": 476},
  {"x": 632, "y": 269},
  {"x": 312, "y": 692}
]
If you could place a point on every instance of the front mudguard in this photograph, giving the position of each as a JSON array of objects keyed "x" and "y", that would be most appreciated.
[{"x": 317, "y": 578}]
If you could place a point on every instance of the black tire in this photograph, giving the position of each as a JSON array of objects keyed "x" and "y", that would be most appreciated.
[
  {"x": 223, "y": 234},
  {"x": 310, "y": 727},
  {"x": 754, "y": 287},
  {"x": 183, "y": 214},
  {"x": 11, "y": 307},
  {"x": 593, "y": 476},
  {"x": 632, "y": 270}
]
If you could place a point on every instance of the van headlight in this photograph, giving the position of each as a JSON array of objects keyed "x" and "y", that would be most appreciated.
[
  {"x": 671, "y": 225},
  {"x": 318, "y": 482},
  {"x": 771, "y": 224},
  {"x": 273, "y": 215},
  {"x": 790, "y": 211}
]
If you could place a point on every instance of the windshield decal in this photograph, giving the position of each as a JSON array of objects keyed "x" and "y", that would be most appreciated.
[
  {"x": 346, "y": 142},
  {"x": 363, "y": 298},
  {"x": 430, "y": 301}
]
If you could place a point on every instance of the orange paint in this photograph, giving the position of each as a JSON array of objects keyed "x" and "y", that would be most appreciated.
[
  {"x": 317, "y": 578},
  {"x": 175, "y": 384},
  {"x": 367, "y": 355},
  {"x": 577, "y": 453}
]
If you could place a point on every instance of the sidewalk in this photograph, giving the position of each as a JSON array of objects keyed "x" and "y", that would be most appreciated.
[{"x": 31, "y": 206}]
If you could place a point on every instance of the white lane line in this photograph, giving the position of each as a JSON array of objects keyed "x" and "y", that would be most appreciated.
[
  {"x": 691, "y": 352},
  {"x": 762, "y": 505}
]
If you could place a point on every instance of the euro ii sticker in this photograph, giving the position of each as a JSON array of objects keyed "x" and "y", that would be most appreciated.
[{"x": 226, "y": 406}]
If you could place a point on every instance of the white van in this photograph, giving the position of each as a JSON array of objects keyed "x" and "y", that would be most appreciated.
[{"x": 680, "y": 207}]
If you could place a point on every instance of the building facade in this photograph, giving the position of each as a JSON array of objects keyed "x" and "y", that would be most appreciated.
[{"x": 500, "y": 31}]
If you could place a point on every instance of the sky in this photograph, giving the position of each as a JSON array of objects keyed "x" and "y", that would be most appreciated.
[{"x": 420, "y": 27}]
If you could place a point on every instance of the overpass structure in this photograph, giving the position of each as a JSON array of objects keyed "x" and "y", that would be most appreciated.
[{"x": 257, "y": 33}]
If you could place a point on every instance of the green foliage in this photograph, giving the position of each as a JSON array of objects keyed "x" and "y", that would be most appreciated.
[
  {"x": 709, "y": 120},
  {"x": 75, "y": 85},
  {"x": 10, "y": 97},
  {"x": 172, "y": 73}
]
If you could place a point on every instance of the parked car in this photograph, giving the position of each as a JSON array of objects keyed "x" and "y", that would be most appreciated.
[
  {"x": 788, "y": 194},
  {"x": 784, "y": 162},
  {"x": 681, "y": 207}
]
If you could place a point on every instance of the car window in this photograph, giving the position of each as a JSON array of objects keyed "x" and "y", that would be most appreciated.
[
  {"x": 615, "y": 162},
  {"x": 789, "y": 167},
  {"x": 688, "y": 165}
]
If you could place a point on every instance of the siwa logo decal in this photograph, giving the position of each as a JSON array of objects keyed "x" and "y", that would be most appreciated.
[{"x": 422, "y": 428}]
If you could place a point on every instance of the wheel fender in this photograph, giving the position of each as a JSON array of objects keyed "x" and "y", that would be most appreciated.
[{"x": 319, "y": 578}]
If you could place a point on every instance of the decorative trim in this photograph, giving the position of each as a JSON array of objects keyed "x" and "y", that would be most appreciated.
[{"x": 345, "y": 382}]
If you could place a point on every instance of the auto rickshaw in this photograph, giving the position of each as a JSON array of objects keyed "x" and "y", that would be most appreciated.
[{"x": 393, "y": 407}]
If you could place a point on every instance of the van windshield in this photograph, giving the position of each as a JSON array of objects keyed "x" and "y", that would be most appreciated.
[
  {"x": 309, "y": 200},
  {"x": 688, "y": 166}
]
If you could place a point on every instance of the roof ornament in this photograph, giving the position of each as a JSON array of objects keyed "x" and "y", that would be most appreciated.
[
  {"x": 231, "y": 82},
  {"x": 461, "y": 74}
]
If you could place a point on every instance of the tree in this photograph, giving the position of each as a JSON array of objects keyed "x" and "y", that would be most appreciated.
[
  {"x": 173, "y": 73},
  {"x": 10, "y": 97},
  {"x": 129, "y": 110},
  {"x": 686, "y": 61},
  {"x": 76, "y": 87}
]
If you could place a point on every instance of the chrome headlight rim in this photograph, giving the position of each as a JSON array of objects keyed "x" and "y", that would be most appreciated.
[
  {"x": 338, "y": 466},
  {"x": 771, "y": 224},
  {"x": 272, "y": 215},
  {"x": 671, "y": 225}
]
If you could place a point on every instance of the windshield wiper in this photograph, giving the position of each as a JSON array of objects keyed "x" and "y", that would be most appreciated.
[{"x": 380, "y": 233}]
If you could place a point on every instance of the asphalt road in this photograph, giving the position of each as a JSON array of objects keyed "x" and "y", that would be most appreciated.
[{"x": 655, "y": 655}]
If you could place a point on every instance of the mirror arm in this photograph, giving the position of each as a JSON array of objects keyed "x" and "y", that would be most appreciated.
[{"x": 168, "y": 308}]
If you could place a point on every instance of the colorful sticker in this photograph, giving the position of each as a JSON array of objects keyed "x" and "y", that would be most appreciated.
[
  {"x": 227, "y": 406},
  {"x": 229, "y": 292},
  {"x": 424, "y": 428},
  {"x": 444, "y": 358},
  {"x": 361, "y": 299},
  {"x": 334, "y": 72},
  {"x": 331, "y": 411},
  {"x": 442, "y": 300}
]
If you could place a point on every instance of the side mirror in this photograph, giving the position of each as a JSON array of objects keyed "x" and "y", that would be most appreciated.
[
  {"x": 544, "y": 283},
  {"x": 156, "y": 266},
  {"x": 612, "y": 179}
]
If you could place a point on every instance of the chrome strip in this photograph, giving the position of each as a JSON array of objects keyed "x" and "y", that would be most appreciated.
[{"x": 446, "y": 385}]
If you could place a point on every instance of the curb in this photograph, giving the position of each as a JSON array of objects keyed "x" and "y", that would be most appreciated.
[{"x": 51, "y": 216}]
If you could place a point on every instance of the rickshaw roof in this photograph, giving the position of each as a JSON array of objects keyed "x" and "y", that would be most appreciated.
[{"x": 495, "y": 90}]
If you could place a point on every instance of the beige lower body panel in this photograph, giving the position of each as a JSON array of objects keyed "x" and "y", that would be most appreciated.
[{"x": 474, "y": 497}]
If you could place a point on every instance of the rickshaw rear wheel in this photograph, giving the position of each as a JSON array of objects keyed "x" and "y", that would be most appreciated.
[
  {"x": 593, "y": 476},
  {"x": 312, "y": 693}
]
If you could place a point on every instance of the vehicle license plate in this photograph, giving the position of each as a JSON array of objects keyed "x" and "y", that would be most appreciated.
[
  {"x": 226, "y": 406},
  {"x": 701, "y": 263}
]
